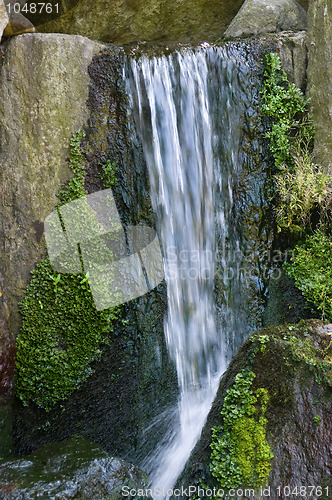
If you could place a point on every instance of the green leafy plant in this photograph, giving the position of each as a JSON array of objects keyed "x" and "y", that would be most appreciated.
[
  {"x": 300, "y": 185},
  {"x": 62, "y": 332},
  {"x": 286, "y": 106},
  {"x": 317, "y": 420},
  {"x": 109, "y": 173},
  {"x": 311, "y": 270},
  {"x": 240, "y": 454},
  {"x": 74, "y": 188}
]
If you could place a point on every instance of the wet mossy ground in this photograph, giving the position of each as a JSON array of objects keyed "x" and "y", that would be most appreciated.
[{"x": 294, "y": 364}]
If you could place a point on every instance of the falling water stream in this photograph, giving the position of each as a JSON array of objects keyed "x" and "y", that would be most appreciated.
[{"x": 189, "y": 108}]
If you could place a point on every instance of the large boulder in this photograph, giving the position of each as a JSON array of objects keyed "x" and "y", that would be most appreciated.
[
  {"x": 17, "y": 22},
  {"x": 44, "y": 89},
  {"x": 267, "y": 16},
  {"x": 293, "y": 364},
  {"x": 320, "y": 77},
  {"x": 124, "y": 21},
  {"x": 72, "y": 469},
  {"x": 3, "y": 17},
  {"x": 44, "y": 85}
]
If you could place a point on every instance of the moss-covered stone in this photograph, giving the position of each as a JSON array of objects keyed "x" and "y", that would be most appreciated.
[
  {"x": 293, "y": 363},
  {"x": 134, "y": 380}
]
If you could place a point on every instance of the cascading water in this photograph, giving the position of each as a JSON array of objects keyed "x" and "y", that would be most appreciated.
[{"x": 189, "y": 116}]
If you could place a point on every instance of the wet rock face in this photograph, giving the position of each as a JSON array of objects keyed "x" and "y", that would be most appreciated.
[
  {"x": 320, "y": 77},
  {"x": 295, "y": 367},
  {"x": 267, "y": 16},
  {"x": 72, "y": 469},
  {"x": 7, "y": 349},
  {"x": 124, "y": 21},
  {"x": 7, "y": 375}
]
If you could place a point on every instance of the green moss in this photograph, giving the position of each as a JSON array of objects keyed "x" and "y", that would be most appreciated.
[
  {"x": 240, "y": 454},
  {"x": 262, "y": 339},
  {"x": 75, "y": 187},
  {"x": 62, "y": 331},
  {"x": 60, "y": 336},
  {"x": 301, "y": 347},
  {"x": 314, "y": 280},
  {"x": 108, "y": 174}
]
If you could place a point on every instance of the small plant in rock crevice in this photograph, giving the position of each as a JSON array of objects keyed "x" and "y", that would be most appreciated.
[{"x": 301, "y": 187}]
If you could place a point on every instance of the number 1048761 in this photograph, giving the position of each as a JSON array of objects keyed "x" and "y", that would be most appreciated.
[
  {"x": 32, "y": 8},
  {"x": 303, "y": 491}
]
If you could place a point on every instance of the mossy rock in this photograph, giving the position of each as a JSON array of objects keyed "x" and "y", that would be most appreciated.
[{"x": 293, "y": 363}]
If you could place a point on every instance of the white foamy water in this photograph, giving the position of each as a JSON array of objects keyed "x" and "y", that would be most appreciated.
[{"x": 175, "y": 101}]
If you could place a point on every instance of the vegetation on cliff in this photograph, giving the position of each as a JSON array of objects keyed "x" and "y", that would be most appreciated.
[
  {"x": 302, "y": 188},
  {"x": 62, "y": 331},
  {"x": 240, "y": 453}
]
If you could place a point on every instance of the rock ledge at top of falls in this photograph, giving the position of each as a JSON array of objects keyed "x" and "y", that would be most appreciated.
[
  {"x": 125, "y": 21},
  {"x": 71, "y": 469},
  {"x": 296, "y": 370},
  {"x": 267, "y": 16}
]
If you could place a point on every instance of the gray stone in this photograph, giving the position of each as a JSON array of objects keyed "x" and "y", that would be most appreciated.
[
  {"x": 44, "y": 85},
  {"x": 267, "y": 16},
  {"x": 71, "y": 469},
  {"x": 17, "y": 25},
  {"x": 126, "y": 21},
  {"x": 320, "y": 77},
  {"x": 293, "y": 54},
  {"x": 3, "y": 17}
]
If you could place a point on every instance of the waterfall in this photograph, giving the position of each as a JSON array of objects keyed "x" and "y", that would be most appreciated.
[{"x": 188, "y": 108}]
